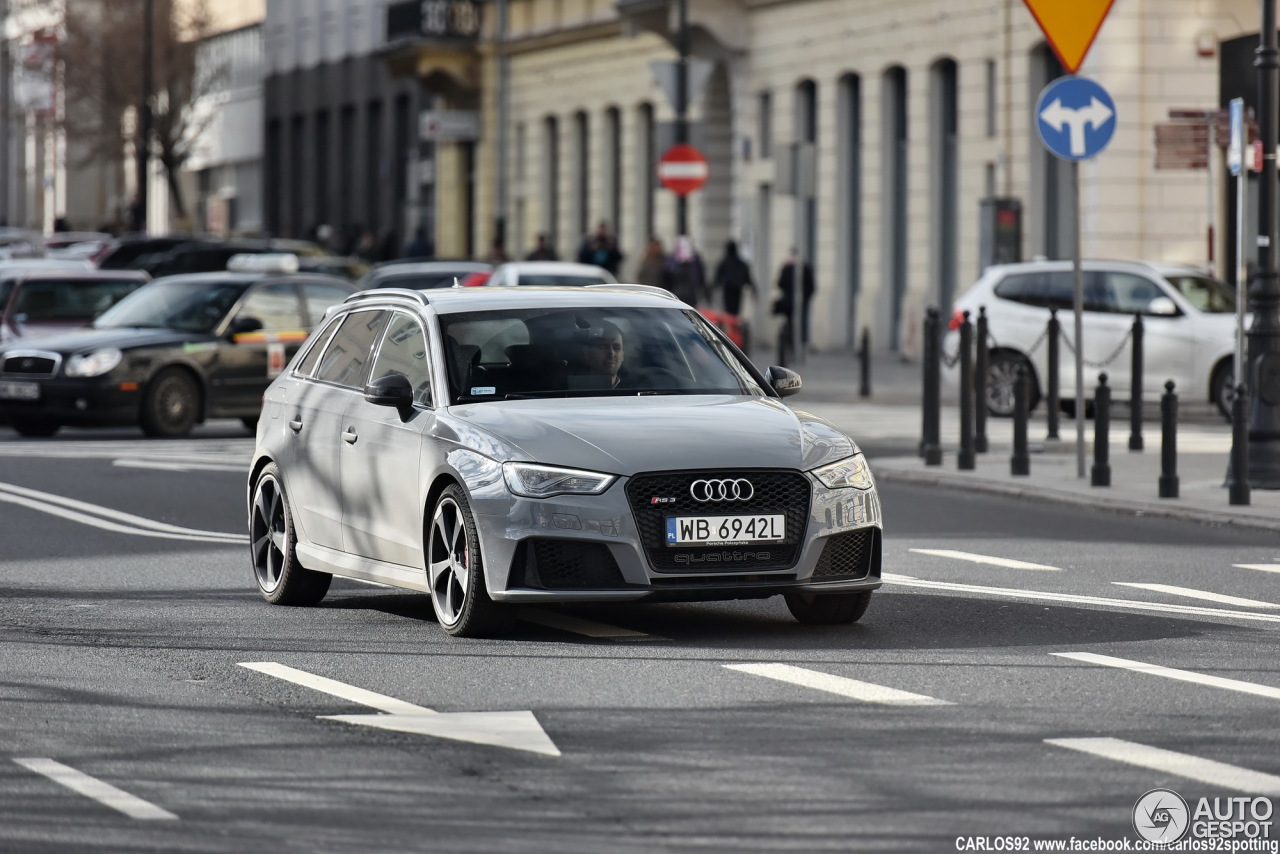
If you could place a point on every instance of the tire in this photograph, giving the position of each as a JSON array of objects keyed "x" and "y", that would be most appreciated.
[
  {"x": 1001, "y": 372},
  {"x": 251, "y": 424},
  {"x": 828, "y": 609},
  {"x": 36, "y": 428},
  {"x": 172, "y": 404},
  {"x": 1222, "y": 388},
  {"x": 273, "y": 547},
  {"x": 455, "y": 571}
]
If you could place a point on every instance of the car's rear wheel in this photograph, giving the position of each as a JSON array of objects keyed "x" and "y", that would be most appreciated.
[
  {"x": 35, "y": 428},
  {"x": 455, "y": 571},
  {"x": 251, "y": 424},
  {"x": 1002, "y": 372},
  {"x": 828, "y": 609},
  {"x": 273, "y": 547},
  {"x": 172, "y": 404},
  {"x": 1222, "y": 388}
]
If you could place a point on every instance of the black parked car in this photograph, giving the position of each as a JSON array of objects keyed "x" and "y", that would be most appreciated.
[{"x": 170, "y": 355}]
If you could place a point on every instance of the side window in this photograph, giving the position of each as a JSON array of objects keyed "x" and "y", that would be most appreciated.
[
  {"x": 404, "y": 351},
  {"x": 1132, "y": 293},
  {"x": 275, "y": 304},
  {"x": 309, "y": 361},
  {"x": 1099, "y": 296},
  {"x": 318, "y": 298},
  {"x": 1059, "y": 290},
  {"x": 349, "y": 350},
  {"x": 1022, "y": 287}
]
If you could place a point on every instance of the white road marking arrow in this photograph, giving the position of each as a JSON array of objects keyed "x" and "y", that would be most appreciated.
[
  {"x": 516, "y": 730},
  {"x": 1097, "y": 114}
]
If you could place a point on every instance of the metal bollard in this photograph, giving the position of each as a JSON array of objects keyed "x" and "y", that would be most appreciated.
[
  {"x": 1169, "y": 442},
  {"x": 1135, "y": 388},
  {"x": 931, "y": 433},
  {"x": 1020, "y": 462},
  {"x": 982, "y": 359},
  {"x": 1101, "y": 474},
  {"x": 965, "y": 459},
  {"x": 864, "y": 364},
  {"x": 1055, "y": 334},
  {"x": 1238, "y": 476}
]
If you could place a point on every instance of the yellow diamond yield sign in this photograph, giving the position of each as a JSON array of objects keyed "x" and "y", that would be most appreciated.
[{"x": 1070, "y": 26}]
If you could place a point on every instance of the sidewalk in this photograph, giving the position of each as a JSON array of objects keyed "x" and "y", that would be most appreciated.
[{"x": 893, "y": 414}]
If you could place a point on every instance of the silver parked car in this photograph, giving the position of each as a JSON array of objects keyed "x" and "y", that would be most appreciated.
[{"x": 498, "y": 446}]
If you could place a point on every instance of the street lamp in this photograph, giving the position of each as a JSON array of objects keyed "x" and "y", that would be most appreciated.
[
  {"x": 144, "y": 115},
  {"x": 1262, "y": 373}
]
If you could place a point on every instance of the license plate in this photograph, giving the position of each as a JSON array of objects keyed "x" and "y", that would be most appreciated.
[
  {"x": 20, "y": 391},
  {"x": 725, "y": 530}
]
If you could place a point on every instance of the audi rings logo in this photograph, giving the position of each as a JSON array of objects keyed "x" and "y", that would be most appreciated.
[{"x": 735, "y": 489}]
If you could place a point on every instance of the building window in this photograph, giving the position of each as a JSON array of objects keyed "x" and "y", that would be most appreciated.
[
  {"x": 806, "y": 133},
  {"x": 648, "y": 164},
  {"x": 551, "y": 179},
  {"x": 613, "y": 173},
  {"x": 582, "y": 161},
  {"x": 992, "y": 100},
  {"x": 764, "y": 124},
  {"x": 945, "y": 170},
  {"x": 894, "y": 193},
  {"x": 849, "y": 197}
]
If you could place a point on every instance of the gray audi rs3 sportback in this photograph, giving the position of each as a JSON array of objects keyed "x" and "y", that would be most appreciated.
[{"x": 500, "y": 446}]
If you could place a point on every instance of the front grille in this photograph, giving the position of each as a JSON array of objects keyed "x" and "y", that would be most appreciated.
[
  {"x": 31, "y": 363},
  {"x": 786, "y": 492},
  {"x": 847, "y": 556},
  {"x": 549, "y": 564}
]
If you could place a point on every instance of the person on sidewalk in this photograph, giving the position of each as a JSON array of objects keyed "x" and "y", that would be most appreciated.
[
  {"x": 652, "y": 265},
  {"x": 785, "y": 304},
  {"x": 601, "y": 249},
  {"x": 732, "y": 279},
  {"x": 684, "y": 274},
  {"x": 542, "y": 251}
]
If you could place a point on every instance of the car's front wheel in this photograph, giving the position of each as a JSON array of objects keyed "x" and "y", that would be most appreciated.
[
  {"x": 828, "y": 609},
  {"x": 455, "y": 571},
  {"x": 172, "y": 404},
  {"x": 273, "y": 547}
]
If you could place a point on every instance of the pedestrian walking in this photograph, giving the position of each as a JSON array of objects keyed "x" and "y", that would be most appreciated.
[
  {"x": 785, "y": 304},
  {"x": 497, "y": 253},
  {"x": 542, "y": 251},
  {"x": 684, "y": 274},
  {"x": 652, "y": 270},
  {"x": 601, "y": 249},
  {"x": 419, "y": 247},
  {"x": 732, "y": 279}
]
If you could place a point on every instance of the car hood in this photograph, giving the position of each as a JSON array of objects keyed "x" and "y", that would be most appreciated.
[
  {"x": 82, "y": 340},
  {"x": 626, "y": 435}
]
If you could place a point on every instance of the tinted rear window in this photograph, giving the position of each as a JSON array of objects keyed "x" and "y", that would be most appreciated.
[{"x": 1042, "y": 289}]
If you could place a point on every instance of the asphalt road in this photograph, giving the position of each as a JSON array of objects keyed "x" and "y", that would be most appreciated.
[{"x": 986, "y": 692}]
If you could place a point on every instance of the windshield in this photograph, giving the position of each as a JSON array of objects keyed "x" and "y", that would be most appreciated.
[
  {"x": 1204, "y": 293},
  {"x": 588, "y": 352},
  {"x": 188, "y": 306},
  {"x": 69, "y": 300}
]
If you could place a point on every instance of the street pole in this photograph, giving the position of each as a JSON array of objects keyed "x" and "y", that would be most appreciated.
[
  {"x": 6, "y": 86},
  {"x": 1078, "y": 300},
  {"x": 682, "y": 106},
  {"x": 1263, "y": 370},
  {"x": 504, "y": 108},
  {"x": 144, "y": 115}
]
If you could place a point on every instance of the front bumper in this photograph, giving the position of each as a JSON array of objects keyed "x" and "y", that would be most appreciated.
[
  {"x": 591, "y": 548},
  {"x": 91, "y": 402}
]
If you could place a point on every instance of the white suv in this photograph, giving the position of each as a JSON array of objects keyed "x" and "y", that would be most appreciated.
[{"x": 1188, "y": 324}]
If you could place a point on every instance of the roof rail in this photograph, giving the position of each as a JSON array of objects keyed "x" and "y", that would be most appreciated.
[
  {"x": 383, "y": 293},
  {"x": 638, "y": 289}
]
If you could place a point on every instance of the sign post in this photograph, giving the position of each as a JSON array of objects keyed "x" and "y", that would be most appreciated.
[
  {"x": 682, "y": 169},
  {"x": 1076, "y": 120},
  {"x": 1237, "y": 475}
]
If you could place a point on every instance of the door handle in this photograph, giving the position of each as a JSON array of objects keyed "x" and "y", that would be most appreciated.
[
  {"x": 349, "y": 436},
  {"x": 296, "y": 425}
]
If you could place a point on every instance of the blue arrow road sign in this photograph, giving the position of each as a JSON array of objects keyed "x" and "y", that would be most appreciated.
[{"x": 1076, "y": 118}]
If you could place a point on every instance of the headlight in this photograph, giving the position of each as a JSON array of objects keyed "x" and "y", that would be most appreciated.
[
  {"x": 93, "y": 364},
  {"x": 534, "y": 481},
  {"x": 853, "y": 471}
]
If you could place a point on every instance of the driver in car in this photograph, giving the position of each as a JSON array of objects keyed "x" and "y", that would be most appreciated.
[{"x": 603, "y": 352}]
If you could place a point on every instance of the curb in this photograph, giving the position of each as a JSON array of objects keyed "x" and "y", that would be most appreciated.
[{"x": 1058, "y": 496}]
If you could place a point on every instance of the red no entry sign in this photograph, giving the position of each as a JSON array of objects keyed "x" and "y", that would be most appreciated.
[{"x": 683, "y": 169}]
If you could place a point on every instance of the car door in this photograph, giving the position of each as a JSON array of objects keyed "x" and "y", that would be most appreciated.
[
  {"x": 316, "y": 424},
  {"x": 382, "y": 508},
  {"x": 254, "y": 357},
  {"x": 1168, "y": 345}
]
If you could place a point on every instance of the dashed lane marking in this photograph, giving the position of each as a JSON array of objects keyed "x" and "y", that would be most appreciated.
[
  {"x": 1198, "y": 594},
  {"x": 852, "y": 688},
  {"x": 1261, "y": 567},
  {"x": 1076, "y": 599},
  {"x": 1171, "y": 673},
  {"x": 1007, "y": 563},
  {"x": 91, "y": 787},
  {"x": 1170, "y": 762},
  {"x": 579, "y": 626}
]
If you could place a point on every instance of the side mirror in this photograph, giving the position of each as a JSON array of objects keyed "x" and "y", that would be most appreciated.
[
  {"x": 785, "y": 381},
  {"x": 392, "y": 390},
  {"x": 243, "y": 324},
  {"x": 1162, "y": 307}
]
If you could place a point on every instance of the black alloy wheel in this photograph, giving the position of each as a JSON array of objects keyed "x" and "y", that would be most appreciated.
[
  {"x": 172, "y": 404},
  {"x": 273, "y": 545}
]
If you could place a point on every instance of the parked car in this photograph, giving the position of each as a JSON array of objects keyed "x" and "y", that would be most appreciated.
[
  {"x": 35, "y": 301},
  {"x": 121, "y": 253},
  {"x": 171, "y": 354},
  {"x": 549, "y": 273},
  {"x": 493, "y": 446},
  {"x": 421, "y": 275},
  {"x": 75, "y": 244},
  {"x": 1188, "y": 328}
]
